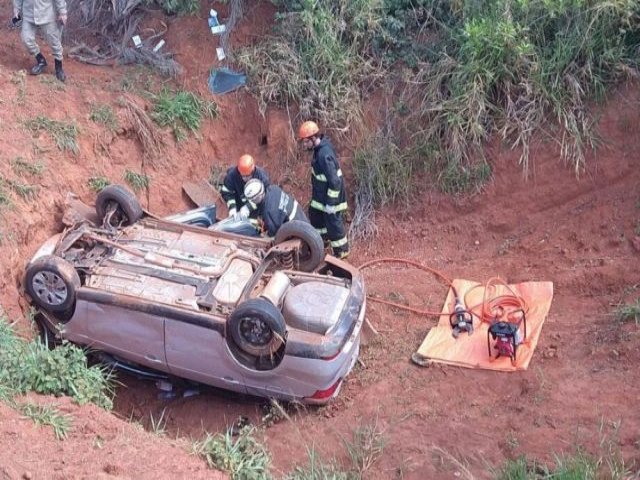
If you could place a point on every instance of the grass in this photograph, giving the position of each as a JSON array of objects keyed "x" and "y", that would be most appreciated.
[
  {"x": 25, "y": 191},
  {"x": 243, "y": 458},
  {"x": 138, "y": 181},
  {"x": 365, "y": 447},
  {"x": 31, "y": 366},
  {"x": 104, "y": 115},
  {"x": 5, "y": 196},
  {"x": 179, "y": 7},
  {"x": 21, "y": 166},
  {"x": 627, "y": 313},
  {"x": 319, "y": 469},
  {"x": 459, "y": 73},
  {"x": 182, "y": 111},
  {"x": 47, "y": 415},
  {"x": 19, "y": 79},
  {"x": 158, "y": 425},
  {"x": 98, "y": 183},
  {"x": 64, "y": 134}
]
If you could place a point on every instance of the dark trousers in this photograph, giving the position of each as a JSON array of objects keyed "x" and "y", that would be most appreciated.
[{"x": 331, "y": 227}]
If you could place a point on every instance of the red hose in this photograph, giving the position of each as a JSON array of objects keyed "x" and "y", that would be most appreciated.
[{"x": 490, "y": 309}]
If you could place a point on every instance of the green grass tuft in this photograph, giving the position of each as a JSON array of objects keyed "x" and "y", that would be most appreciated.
[
  {"x": 628, "y": 312},
  {"x": 47, "y": 415},
  {"x": 104, "y": 115},
  {"x": 22, "y": 166},
  {"x": 64, "y": 134},
  {"x": 182, "y": 111},
  {"x": 138, "y": 181},
  {"x": 243, "y": 458},
  {"x": 98, "y": 183}
]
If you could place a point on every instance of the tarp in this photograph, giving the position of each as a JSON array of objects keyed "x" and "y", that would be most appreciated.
[
  {"x": 223, "y": 80},
  {"x": 471, "y": 350}
]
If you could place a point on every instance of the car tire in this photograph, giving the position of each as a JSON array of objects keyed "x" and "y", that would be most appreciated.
[
  {"x": 312, "y": 251},
  {"x": 52, "y": 282},
  {"x": 128, "y": 208},
  {"x": 257, "y": 327}
]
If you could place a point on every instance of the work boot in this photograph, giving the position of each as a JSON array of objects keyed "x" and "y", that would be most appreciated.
[
  {"x": 59, "y": 71},
  {"x": 41, "y": 64}
]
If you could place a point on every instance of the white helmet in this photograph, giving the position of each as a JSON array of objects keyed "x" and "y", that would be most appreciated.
[{"x": 254, "y": 190}]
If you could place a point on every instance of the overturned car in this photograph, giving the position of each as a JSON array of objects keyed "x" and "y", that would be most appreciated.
[{"x": 267, "y": 317}]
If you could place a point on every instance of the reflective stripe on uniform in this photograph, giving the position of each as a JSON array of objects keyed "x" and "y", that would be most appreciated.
[
  {"x": 339, "y": 243},
  {"x": 231, "y": 203},
  {"x": 322, "y": 231},
  {"x": 339, "y": 172},
  {"x": 318, "y": 176},
  {"x": 333, "y": 193},
  {"x": 225, "y": 189},
  {"x": 317, "y": 205},
  {"x": 336, "y": 208},
  {"x": 292, "y": 215}
]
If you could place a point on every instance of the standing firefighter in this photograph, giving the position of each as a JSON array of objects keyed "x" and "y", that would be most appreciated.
[
  {"x": 48, "y": 16},
  {"x": 273, "y": 206},
  {"x": 328, "y": 197},
  {"x": 234, "y": 183}
]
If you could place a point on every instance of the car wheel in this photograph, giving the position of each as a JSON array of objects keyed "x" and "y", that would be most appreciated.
[
  {"x": 257, "y": 327},
  {"x": 124, "y": 207},
  {"x": 52, "y": 282},
  {"x": 312, "y": 251}
]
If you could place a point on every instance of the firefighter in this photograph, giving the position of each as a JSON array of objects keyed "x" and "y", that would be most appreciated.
[
  {"x": 233, "y": 186},
  {"x": 274, "y": 207},
  {"x": 328, "y": 197}
]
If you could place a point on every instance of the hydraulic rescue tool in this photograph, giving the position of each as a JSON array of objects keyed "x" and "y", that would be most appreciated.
[{"x": 461, "y": 319}]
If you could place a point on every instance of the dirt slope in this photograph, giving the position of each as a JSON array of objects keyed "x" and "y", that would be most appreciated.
[{"x": 580, "y": 234}]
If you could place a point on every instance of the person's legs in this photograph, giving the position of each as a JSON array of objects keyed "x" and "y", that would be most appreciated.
[
  {"x": 28, "y": 35},
  {"x": 53, "y": 34},
  {"x": 337, "y": 234},
  {"x": 316, "y": 218}
]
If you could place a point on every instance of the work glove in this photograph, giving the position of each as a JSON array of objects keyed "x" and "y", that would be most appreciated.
[
  {"x": 330, "y": 209},
  {"x": 243, "y": 214},
  {"x": 233, "y": 213}
]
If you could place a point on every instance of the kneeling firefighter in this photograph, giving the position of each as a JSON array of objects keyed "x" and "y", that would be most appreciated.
[{"x": 274, "y": 207}]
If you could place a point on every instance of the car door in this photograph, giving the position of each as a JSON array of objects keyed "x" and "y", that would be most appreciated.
[
  {"x": 200, "y": 353},
  {"x": 132, "y": 335}
]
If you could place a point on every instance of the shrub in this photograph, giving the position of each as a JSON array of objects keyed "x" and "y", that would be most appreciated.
[{"x": 180, "y": 111}]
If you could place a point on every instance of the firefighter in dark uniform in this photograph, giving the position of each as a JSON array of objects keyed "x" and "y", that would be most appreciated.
[
  {"x": 273, "y": 206},
  {"x": 233, "y": 187},
  {"x": 328, "y": 197}
]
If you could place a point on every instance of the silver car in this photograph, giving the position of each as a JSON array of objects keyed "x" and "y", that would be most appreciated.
[{"x": 272, "y": 317}]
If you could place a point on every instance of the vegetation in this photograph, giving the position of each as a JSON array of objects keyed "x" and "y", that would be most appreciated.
[
  {"x": 47, "y": 415},
  {"x": 628, "y": 312},
  {"x": 22, "y": 166},
  {"x": 27, "y": 366},
  {"x": 64, "y": 134},
  {"x": 179, "y": 7},
  {"x": 181, "y": 111},
  {"x": 243, "y": 458},
  {"x": 98, "y": 183},
  {"x": 454, "y": 75},
  {"x": 104, "y": 115},
  {"x": 138, "y": 181}
]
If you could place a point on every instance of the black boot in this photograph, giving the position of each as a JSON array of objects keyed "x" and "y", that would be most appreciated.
[
  {"x": 59, "y": 71},
  {"x": 41, "y": 64}
]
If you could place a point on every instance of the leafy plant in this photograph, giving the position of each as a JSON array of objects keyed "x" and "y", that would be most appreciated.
[
  {"x": 180, "y": 111},
  {"x": 104, "y": 115},
  {"x": 243, "y": 458},
  {"x": 98, "y": 183},
  {"x": 47, "y": 415},
  {"x": 138, "y": 181},
  {"x": 64, "y": 134},
  {"x": 31, "y": 366},
  {"x": 179, "y": 7}
]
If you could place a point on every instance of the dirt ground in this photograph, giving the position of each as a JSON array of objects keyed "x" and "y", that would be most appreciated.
[{"x": 582, "y": 386}]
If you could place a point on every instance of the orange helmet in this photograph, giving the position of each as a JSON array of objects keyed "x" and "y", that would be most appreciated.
[
  {"x": 246, "y": 165},
  {"x": 308, "y": 129}
]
